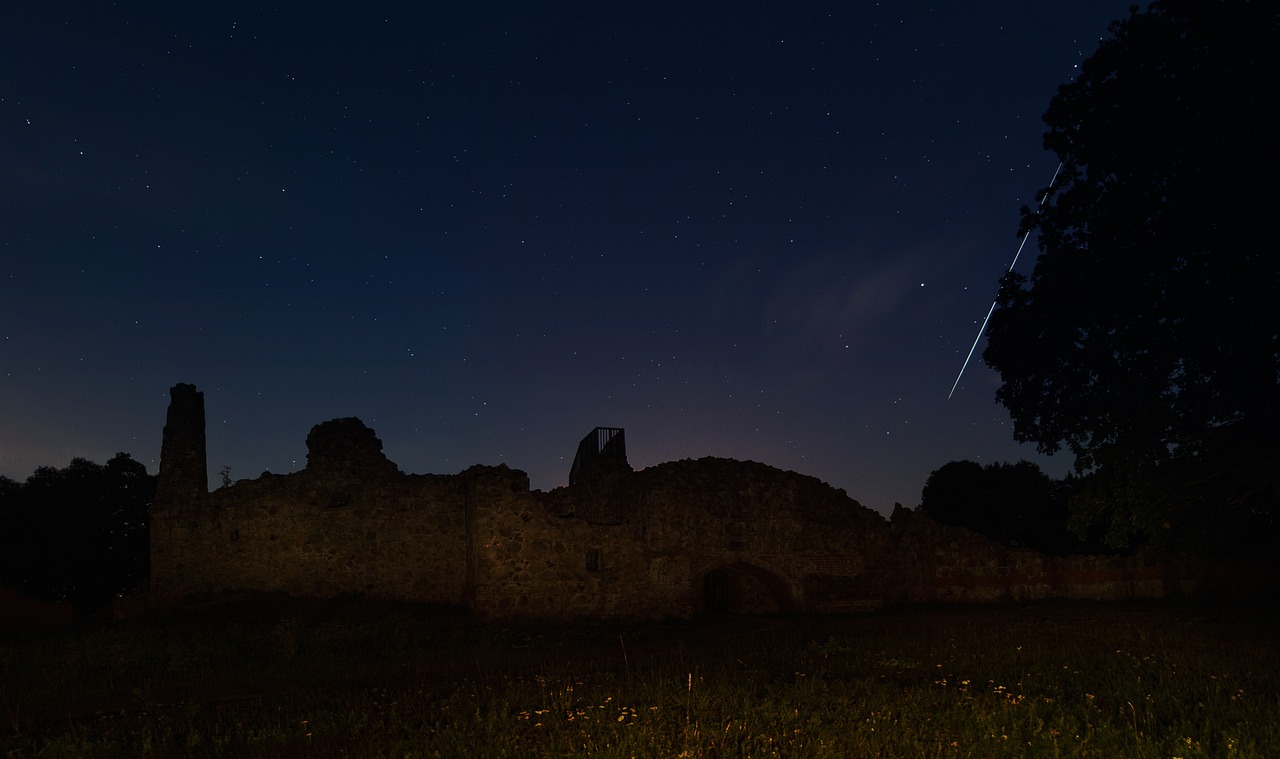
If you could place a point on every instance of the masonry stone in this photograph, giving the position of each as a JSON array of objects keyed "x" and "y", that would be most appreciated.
[{"x": 672, "y": 540}]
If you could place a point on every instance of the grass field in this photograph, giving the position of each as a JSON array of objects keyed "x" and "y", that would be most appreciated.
[{"x": 350, "y": 678}]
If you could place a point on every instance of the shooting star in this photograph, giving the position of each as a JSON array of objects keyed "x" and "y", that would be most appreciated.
[{"x": 983, "y": 329}]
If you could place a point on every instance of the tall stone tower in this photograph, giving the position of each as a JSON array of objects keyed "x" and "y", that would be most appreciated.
[
  {"x": 182, "y": 490},
  {"x": 184, "y": 467}
]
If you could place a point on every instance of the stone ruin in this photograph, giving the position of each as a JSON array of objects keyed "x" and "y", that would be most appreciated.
[{"x": 673, "y": 540}]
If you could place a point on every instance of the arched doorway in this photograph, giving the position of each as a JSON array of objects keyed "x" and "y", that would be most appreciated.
[{"x": 742, "y": 588}]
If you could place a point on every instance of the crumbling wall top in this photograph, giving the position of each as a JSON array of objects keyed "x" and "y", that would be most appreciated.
[{"x": 346, "y": 449}]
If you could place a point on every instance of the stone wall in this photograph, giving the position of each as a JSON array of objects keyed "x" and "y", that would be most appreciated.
[
  {"x": 776, "y": 540},
  {"x": 672, "y": 540},
  {"x": 953, "y": 565},
  {"x": 536, "y": 560},
  {"x": 398, "y": 537}
]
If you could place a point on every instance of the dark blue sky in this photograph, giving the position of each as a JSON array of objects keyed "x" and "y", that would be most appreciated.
[{"x": 757, "y": 230}]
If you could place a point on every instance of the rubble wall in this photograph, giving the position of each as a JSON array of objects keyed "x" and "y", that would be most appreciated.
[
  {"x": 669, "y": 541},
  {"x": 399, "y": 537}
]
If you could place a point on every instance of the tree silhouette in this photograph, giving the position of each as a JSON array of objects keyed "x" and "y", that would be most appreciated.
[
  {"x": 77, "y": 534},
  {"x": 955, "y": 494},
  {"x": 1147, "y": 339},
  {"x": 1016, "y": 504}
]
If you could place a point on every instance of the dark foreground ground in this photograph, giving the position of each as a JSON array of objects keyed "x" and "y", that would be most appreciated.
[{"x": 278, "y": 677}]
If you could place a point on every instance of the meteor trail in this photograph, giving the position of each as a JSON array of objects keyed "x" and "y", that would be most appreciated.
[{"x": 982, "y": 330}]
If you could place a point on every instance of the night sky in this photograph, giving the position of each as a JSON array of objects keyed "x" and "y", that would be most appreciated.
[{"x": 763, "y": 231}]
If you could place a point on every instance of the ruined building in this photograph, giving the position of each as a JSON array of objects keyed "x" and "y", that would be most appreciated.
[{"x": 668, "y": 541}]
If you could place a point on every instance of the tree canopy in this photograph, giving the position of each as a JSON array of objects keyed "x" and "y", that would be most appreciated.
[
  {"x": 77, "y": 534},
  {"x": 1016, "y": 504},
  {"x": 1147, "y": 339}
]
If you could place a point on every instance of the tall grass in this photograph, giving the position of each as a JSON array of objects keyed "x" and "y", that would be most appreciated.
[{"x": 351, "y": 678}]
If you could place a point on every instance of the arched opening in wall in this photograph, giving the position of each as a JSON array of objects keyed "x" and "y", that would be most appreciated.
[{"x": 742, "y": 588}]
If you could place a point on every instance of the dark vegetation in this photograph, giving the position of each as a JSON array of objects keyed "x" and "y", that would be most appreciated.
[
  {"x": 345, "y": 678},
  {"x": 77, "y": 534},
  {"x": 1016, "y": 504},
  {"x": 1146, "y": 342}
]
